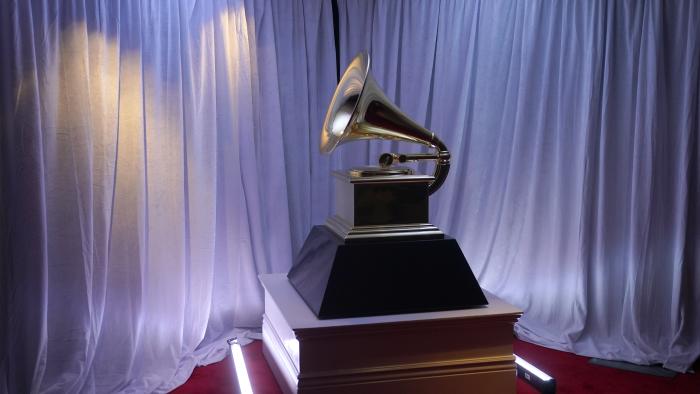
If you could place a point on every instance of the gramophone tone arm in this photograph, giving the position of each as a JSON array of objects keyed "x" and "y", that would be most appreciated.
[
  {"x": 442, "y": 165},
  {"x": 387, "y": 159}
]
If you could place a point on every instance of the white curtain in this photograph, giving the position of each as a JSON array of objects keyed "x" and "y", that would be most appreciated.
[
  {"x": 573, "y": 126},
  {"x": 143, "y": 182},
  {"x": 156, "y": 156}
]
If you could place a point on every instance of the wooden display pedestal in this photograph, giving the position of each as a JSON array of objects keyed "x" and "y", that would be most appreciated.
[{"x": 468, "y": 350}]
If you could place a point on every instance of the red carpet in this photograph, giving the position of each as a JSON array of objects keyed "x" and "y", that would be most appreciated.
[{"x": 573, "y": 375}]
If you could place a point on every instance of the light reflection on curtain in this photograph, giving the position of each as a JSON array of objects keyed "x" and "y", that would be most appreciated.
[
  {"x": 144, "y": 186},
  {"x": 574, "y": 133}
]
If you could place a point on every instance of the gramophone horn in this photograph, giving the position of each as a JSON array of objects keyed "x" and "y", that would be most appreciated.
[{"x": 360, "y": 110}]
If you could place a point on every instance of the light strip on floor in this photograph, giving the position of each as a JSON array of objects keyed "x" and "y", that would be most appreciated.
[
  {"x": 532, "y": 369},
  {"x": 239, "y": 364},
  {"x": 544, "y": 383}
]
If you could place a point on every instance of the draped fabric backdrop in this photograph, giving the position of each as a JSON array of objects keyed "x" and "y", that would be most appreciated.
[
  {"x": 573, "y": 126},
  {"x": 144, "y": 182},
  {"x": 156, "y": 156}
]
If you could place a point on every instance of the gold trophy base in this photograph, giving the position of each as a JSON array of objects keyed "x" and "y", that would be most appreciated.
[{"x": 372, "y": 205}]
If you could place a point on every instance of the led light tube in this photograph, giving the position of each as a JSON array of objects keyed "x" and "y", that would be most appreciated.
[
  {"x": 239, "y": 364},
  {"x": 544, "y": 383},
  {"x": 532, "y": 369}
]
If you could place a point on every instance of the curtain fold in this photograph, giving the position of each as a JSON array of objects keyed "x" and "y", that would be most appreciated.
[
  {"x": 144, "y": 182},
  {"x": 573, "y": 130}
]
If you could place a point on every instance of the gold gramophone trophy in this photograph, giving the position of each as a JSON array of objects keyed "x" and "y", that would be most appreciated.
[{"x": 379, "y": 254}]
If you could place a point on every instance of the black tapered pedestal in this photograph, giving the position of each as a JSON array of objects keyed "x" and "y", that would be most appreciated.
[{"x": 338, "y": 279}]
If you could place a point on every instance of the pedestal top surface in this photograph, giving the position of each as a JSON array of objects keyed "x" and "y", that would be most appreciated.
[
  {"x": 299, "y": 316},
  {"x": 343, "y": 175}
]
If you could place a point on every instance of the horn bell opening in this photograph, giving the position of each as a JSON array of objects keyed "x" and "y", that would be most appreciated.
[{"x": 344, "y": 103}]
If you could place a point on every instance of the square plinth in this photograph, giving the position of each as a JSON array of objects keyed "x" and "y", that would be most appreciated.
[
  {"x": 381, "y": 200},
  {"x": 468, "y": 350}
]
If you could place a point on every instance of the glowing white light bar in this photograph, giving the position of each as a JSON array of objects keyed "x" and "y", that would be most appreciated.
[
  {"x": 532, "y": 369},
  {"x": 239, "y": 363}
]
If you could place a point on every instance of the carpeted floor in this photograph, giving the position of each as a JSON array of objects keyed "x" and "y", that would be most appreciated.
[{"x": 573, "y": 375}]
